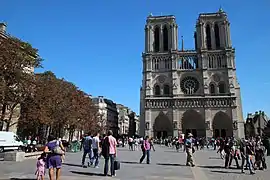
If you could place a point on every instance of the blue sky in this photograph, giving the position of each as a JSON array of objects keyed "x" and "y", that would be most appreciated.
[{"x": 98, "y": 44}]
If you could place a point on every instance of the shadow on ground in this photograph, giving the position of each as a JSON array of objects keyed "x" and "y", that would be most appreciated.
[
  {"x": 172, "y": 151},
  {"x": 215, "y": 167},
  {"x": 74, "y": 165},
  {"x": 87, "y": 173},
  {"x": 170, "y": 164},
  {"x": 225, "y": 172},
  {"x": 129, "y": 162}
]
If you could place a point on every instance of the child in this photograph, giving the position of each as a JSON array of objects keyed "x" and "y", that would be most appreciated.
[{"x": 40, "y": 172}]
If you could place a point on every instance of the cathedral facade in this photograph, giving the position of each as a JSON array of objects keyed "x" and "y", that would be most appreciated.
[{"x": 190, "y": 90}]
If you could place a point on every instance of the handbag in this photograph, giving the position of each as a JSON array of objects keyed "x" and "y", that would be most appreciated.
[
  {"x": 57, "y": 150},
  {"x": 116, "y": 165}
]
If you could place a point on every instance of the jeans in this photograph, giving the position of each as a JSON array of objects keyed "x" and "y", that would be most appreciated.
[
  {"x": 249, "y": 163},
  {"x": 106, "y": 165},
  {"x": 147, "y": 154},
  {"x": 96, "y": 157},
  {"x": 90, "y": 154}
]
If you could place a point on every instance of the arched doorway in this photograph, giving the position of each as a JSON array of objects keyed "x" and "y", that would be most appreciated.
[
  {"x": 222, "y": 125},
  {"x": 193, "y": 122},
  {"x": 162, "y": 126}
]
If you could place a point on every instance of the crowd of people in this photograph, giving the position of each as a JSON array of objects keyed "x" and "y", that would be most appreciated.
[{"x": 250, "y": 151}]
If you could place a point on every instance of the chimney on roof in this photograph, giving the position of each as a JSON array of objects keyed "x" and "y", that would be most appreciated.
[{"x": 3, "y": 27}]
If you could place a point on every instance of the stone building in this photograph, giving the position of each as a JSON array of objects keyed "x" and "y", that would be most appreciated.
[
  {"x": 190, "y": 90},
  {"x": 128, "y": 121},
  {"x": 123, "y": 119},
  {"x": 108, "y": 113},
  {"x": 256, "y": 124}
]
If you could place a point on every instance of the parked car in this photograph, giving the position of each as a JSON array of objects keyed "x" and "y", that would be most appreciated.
[{"x": 10, "y": 141}]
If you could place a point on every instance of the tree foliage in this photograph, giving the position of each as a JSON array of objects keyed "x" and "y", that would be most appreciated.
[
  {"x": 58, "y": 107},
  {"x": 17, "y": 59}
]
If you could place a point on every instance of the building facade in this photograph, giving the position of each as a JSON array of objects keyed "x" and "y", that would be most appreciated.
[
  {"x": 123, "y": 119},
  {"x": 190, "y": 90},
  {"x": 257, "y": 124},
  {"x": 108, "y": 113}
]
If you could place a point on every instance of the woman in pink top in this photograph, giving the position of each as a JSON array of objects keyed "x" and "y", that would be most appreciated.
[
  {"x": 146, "y": 146},
  {"x": 109, "y": 153}
]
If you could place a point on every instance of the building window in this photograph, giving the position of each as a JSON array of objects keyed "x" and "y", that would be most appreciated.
[
  {"x": 212, "y": 89},
  {"x": 165, "y": 39},
  {"x": 217, "y": 36},
  {"x": 221, "y": 88},
  {"x": 208, "y": 37},
  {"x": 156, "y": 39},
  {"x": 166, "y": 90},
  {"x": 157, "y": 90}
]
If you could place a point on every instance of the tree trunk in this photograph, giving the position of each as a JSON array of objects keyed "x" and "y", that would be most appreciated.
[{"x": 3, "y": 113}]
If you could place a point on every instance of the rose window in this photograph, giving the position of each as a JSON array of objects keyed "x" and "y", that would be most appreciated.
[{"x": 189, "y": 85}]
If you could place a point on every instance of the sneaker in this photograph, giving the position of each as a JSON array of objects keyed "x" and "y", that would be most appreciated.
[{"x": 96, "y": 167}]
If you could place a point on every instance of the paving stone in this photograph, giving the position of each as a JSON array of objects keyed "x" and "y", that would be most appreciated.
[{"x": 166, "y": 164}]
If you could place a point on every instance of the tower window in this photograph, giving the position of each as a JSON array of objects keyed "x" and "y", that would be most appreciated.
[
  {"x": 212, "y": 89},
  {"x": 166, "y": 90},
  {"x": 208, "y": 37},
  {"x": 156, "y": 39},
  {"x": 165, "y": 39},
  {"x": 157, "y": 90},
  {"x": 221, "y": 87},
  {"x": 217, "y": 36}
]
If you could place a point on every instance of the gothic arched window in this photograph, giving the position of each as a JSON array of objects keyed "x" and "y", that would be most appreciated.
[
  {"x": 208, "y": 37},
  {"x": 212, "y": 89},
  {"x": 157, "y": 90},
  {"x": 166, "y": 90},
  {"x": 165, "y": 39},
  {"x": 217, "y": 36},
  {"x": 156, "y": 39},
  {"x": 221, "y": 88}
]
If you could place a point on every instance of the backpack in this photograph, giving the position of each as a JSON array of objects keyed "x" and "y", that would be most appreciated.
[{"x": 105, "y": 148}]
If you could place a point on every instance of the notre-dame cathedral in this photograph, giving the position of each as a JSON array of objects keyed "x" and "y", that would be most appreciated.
[{"x": 190, "y": 90}]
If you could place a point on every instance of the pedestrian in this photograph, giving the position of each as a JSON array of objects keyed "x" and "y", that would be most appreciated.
[
  {"x": 146, "y": 146},
  {"x": 40, "y": 172},
  {"x": 109, "y": 153},
  {"x": 246, "y": 155},
  {"x": 96, "y": 149},
  {"x": 86, "y": 145},
  {"x": 54, "y": 150},
  {"x": 189, "y": 150}
]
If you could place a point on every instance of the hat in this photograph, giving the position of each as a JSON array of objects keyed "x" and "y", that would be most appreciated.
[{"x": 190, "y": 135}]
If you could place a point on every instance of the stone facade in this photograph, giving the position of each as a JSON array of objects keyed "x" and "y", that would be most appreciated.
[
  {"x": 123, "y": 119},
  {"x": 190, "y": 90},
  {"x": 128, "y": 121},
  {"x": 257, "y": 124},
  {"x": 108, "y": 112}
]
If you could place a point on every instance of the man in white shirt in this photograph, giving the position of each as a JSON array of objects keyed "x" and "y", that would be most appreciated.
[{"x": 96, "y": 149}]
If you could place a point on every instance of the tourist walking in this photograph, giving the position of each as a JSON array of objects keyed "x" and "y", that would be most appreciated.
[
  {"x": 86, "y": 145},
  {"x": 246, "y": 154},
  {"x": 146, "y": 146},
  {"x": 109, "y": 153},
  {"x": 54, "y": 149},
  {"x": 189, "y": 150},
  {"x": 96, "y": 149},
  {"x": 40, "y": 172}
]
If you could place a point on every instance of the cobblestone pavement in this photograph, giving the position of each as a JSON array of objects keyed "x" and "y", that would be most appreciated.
[{"x": 166, "y": 164}]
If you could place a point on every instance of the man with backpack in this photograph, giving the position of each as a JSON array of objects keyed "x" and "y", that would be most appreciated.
[{"x": 86, "y": 145}]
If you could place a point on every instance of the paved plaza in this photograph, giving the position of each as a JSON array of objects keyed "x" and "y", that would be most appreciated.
[{"x": 166, "y": 164}]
